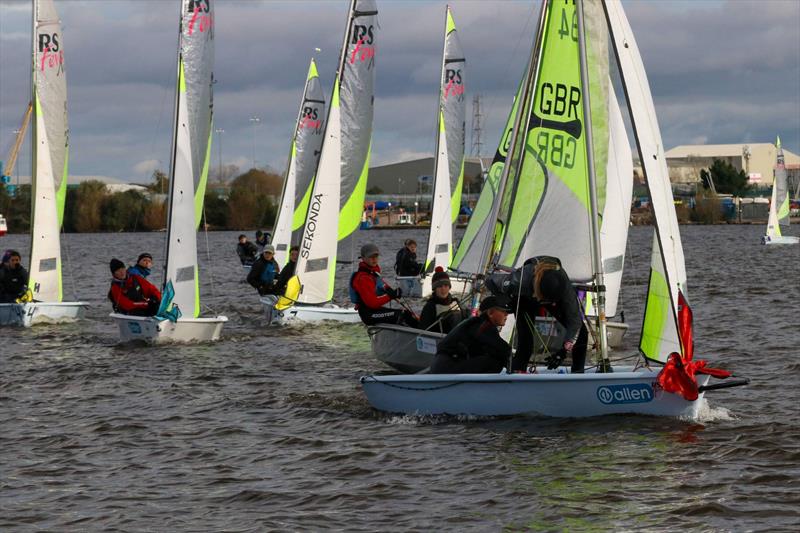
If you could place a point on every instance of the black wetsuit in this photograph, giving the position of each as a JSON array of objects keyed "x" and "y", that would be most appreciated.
[
  {"x": 284, "y": 277},
  {"x": 447, "y": 310},
  {"x": 406, "y": 263},
  {"x": 518, "y": 284},
  {"x": 13, "y": 283},
  {"x": 473, "y": 347}
]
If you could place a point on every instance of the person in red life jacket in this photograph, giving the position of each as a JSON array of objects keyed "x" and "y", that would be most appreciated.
[
  {"x": 475, "y": 345},
  {"x": 370, "y": 293},
  {"x": 131, "y": 294},
  {"x": 442, "y": 311}
]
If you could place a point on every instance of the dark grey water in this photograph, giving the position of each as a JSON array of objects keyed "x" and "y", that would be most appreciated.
[{"x": 269, "y": 430}]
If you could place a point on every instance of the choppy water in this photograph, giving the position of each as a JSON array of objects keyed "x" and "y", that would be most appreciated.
[{"x": 269, "y": 430}]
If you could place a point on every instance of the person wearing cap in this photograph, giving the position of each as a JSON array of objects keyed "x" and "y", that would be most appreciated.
[
  {"x": 143, "y": 265},
  {"x": 369, "y": 292},
  {"x": 288, "y": 270},
  {"x": 264, "y": 273},
  {"x": 13, "y": 277},
  {"x": 131, "y": 294},
  {"x": 262, "y": 238},
  {"x": 475, "y": 346},
  {"x": 406, "y": 263},
  {"x": 246, "y": 250},
  {"x": 543, "y": 284},
  {"x": 442, "y": 311}
]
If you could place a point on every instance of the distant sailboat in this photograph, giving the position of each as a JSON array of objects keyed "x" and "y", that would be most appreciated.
[
  {"x": 50, "y": 156},
  {"x": 191, "y": 149},
  {"x": 779, "y": 204},
  {"x": 337, "y": 200}
]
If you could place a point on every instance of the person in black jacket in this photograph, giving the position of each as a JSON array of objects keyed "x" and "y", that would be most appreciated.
[
  {"x": 475, "y": 345},
  {"x": 542, "y": 283},
  {"x": 246, "y": 251},
  {"x": 405, "y": 263},
  {"x": 442, "y": 311},
  {"x": 288, "y": 270},
  {"x": 264, "y": 273},
  {"x": 13, "y": 278}
]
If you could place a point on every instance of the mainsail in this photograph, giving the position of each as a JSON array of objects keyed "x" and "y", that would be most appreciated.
[
  {"x": 779, "y": 203},
  {"x": 50, "y": 151},
  {"x": 303, "y": 159},
  {"x": 449, "y": 165},
  {"x": 191, "y": 147},
  {"x": 342, "y": 173}
]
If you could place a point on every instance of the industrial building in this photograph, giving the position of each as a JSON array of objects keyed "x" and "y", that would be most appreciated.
[{"x": 416, "y": 176}]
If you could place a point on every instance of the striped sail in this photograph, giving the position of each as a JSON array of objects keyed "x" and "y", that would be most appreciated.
[
  {"x": 356, "y": 80},
  {"x": 667, "y": 270},
  {"x": 337, "y": 198},
  {"x": 303, "y": 159},
  {"x": 449, "y": 159},
  {"x": 190, "y": 151},
  {"x": 50, "y": 152}
]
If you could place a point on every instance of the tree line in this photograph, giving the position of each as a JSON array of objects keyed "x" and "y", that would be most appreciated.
[{"x": 248, "y": 201}]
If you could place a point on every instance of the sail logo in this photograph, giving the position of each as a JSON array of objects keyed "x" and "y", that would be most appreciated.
[
  {"x": 311, "y": 225},
  {"x": 201, "y": 17},
  {"x": 557, "y": 140},
  {"x": 453, "y": 83},
  {"x": 50, "y": 52},
  {"x": 310, "y": 120},
  {"x": 633, "y": 393},
  {"x": 364, "y": 47}
]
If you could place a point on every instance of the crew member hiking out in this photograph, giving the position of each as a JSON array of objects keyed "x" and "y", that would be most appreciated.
[
  {"x": 370, "y": 293},
  {"x": 442, "y": 311},
  {"x": 264, "y": 272},
  {"x": 541, "y": 283},
  {"x": 475, "y": 345},
  {"x": 131, "y": 294}
]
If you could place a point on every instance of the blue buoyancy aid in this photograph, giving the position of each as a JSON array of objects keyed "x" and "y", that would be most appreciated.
[
  {"x": 380, "y": 286},
  {"x": 268, "y": 274}
]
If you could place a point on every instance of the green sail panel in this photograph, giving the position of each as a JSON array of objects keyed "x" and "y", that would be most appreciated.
[
  {"x": 659, "y": 327},
  {"x": 781, "y": 187}
]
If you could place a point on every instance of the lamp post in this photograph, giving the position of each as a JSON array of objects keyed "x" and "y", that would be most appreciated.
[
  {"x": 389, "y": 215},
  {"x": 416, "y": 212},
  {"x": 254, "y": 120},
  {"x": 219, "y": 132}
]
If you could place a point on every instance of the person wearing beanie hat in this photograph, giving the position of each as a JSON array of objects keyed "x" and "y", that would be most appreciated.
[
  {"x": 246, "y": 250},
  {"x": 442, "y": 311},
  {"x": 542, "y": 283},
  {"x": 143, "y": 265},
  {"x": 263, "y": 275},
  {"x": 13, "y": 277},
  {"x": 131, "y": 294},
  {"x": 370, "y": 293},
  {"x": 475, "y": 346}
]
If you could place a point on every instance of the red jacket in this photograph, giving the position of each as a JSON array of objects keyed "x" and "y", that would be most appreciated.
[
  {"x": 132, "y": 293},
  {"x": 365, "y": 283}
]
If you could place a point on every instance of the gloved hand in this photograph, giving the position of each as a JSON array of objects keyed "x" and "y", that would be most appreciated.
[
  {"x": 394, "y": 294},
  {"x": 152, "y": 306},
  {"x": 555, "y": 359}
]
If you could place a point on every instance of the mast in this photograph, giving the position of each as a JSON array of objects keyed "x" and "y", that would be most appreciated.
[{"x": 597, "y": 258}]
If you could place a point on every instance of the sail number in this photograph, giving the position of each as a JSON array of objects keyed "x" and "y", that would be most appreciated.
[
  {"x": 556, "y": 148},
  {"x": 567, "y": 29}
]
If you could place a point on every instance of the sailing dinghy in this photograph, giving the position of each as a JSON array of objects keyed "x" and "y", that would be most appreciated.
[
  {"x": 575, "y": 57},
  {"x": 779, "y": 204},
  {"x": 191, "y": 148},
  {"x": 49, "y": 153},
  {"x": 336, "y": 202}
]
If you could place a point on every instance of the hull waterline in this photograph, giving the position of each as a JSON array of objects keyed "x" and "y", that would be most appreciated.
[{"x": 149, "y": 329}]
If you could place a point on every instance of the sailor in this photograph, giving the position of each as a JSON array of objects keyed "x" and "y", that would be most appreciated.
[
  {"x": 405, "y": 263},
  {"x": 143, "y": 265},
  {"x": 131, "y": 294},
  {"x": 288, "y": 270},
  {"x": 475, "y": 345},
  {"x": 262, "y": 238},
  {"x": 442, "y": 311},
  {"x": 264, "y": 272},
  {"x": 246, "y": 250},
  {"x": 542, "y": 283},
  {"x": 13, "y": 278},
  {"x": 370, "y": 293}
]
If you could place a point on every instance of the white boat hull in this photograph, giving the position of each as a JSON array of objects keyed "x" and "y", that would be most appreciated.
[
  {"x": 549, "y": 393},
  {"x": 405, "y": 349},
  {"x": 783, "y": 239},
  {"x": 28, "y": 314},
  {"x": 318, "y": 313},
  {"x": 149, "y": 329},
  {"x": 410, "y": 285}
]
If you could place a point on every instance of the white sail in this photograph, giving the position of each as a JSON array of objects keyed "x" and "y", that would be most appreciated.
[
  {"x": 659, "y": 322},
  {"x": 773, "y": 226},
  {"x": 50, "y": 152},
  {"x": 191, "y": 146},
  {"x": 440, "y": 237}
]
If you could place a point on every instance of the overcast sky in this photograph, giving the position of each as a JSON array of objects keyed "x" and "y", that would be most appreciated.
[{"x": 720, "y": 72}]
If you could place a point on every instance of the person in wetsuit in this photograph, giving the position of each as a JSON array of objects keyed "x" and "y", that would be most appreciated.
[
  {"x": 264, "y": 272},
  {"x": 246, "y": 250},
  {"x": 131, "y": 294},
  {"x": 288, "y": 270},
  {"x": 442, "y": 311},
  {"x": 475, "y": 345},
  {"x": 370, "y": 293},
  {"x": 13, "y": 278},
  {"x": 541, "y": 283}
]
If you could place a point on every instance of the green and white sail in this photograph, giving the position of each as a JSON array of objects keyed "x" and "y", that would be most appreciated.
[
  {"x": 667, "y": 269},
  {"x": 303, "y": 159},
  {"x": 337, "y": 198},
  {"x": 191, "y": 147},
  {"x": 779, "y": 203},
  {"x": 449, "y": 158},
  {"x": 50, "y": 152}
]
